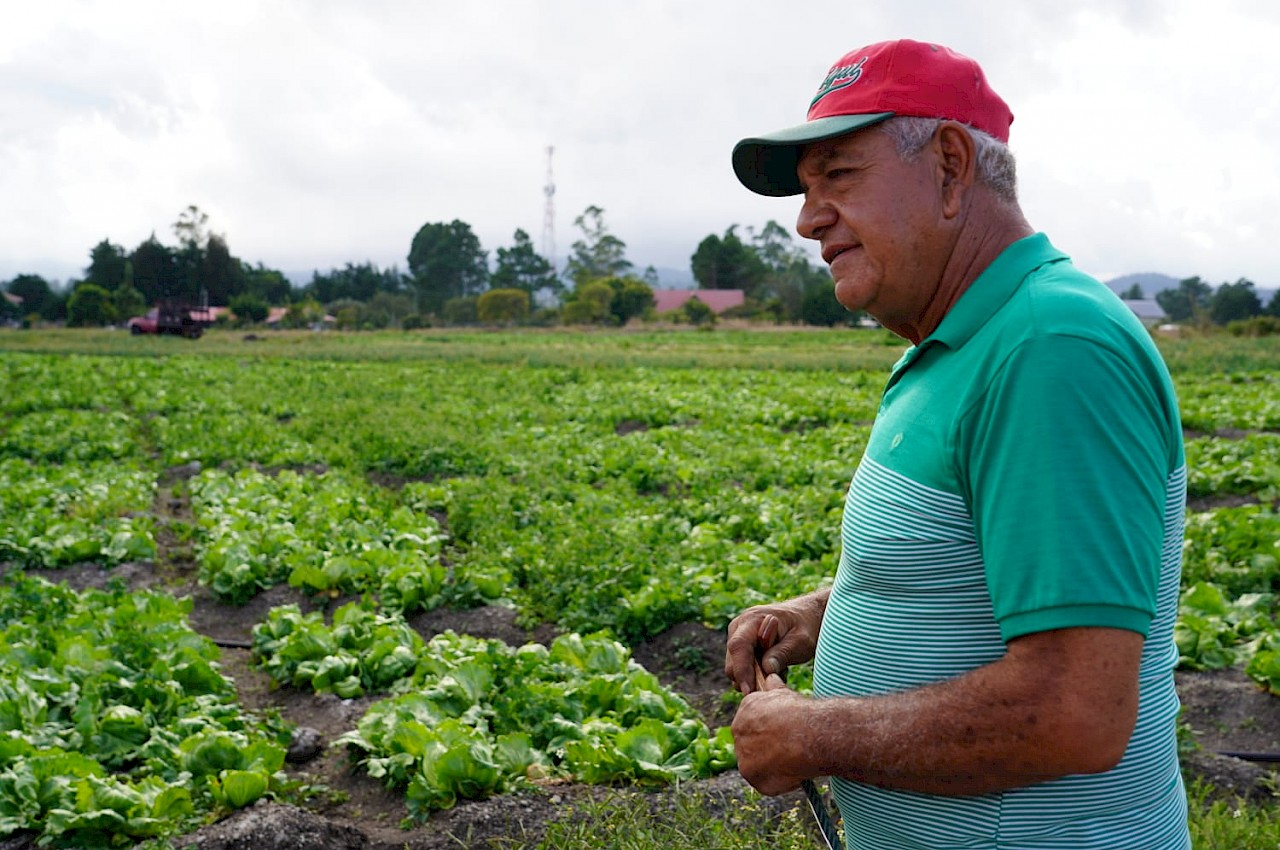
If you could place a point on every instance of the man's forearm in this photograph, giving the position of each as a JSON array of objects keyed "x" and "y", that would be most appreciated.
[{"x": 1032, "y": 716}]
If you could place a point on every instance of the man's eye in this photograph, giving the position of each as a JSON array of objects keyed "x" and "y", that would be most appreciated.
[{"x": 837, "y": 173}]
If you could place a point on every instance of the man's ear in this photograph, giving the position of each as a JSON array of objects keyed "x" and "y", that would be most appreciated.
[{"x": 957, "y": 165}]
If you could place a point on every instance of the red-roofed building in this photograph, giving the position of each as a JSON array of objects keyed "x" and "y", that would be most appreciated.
[{"x": 719, "y": 300}]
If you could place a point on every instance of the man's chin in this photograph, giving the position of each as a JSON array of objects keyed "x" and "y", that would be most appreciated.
[{"x": 851, "y": 296}]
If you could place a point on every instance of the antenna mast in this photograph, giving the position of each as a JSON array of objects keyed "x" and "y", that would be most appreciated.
[{"x": 549, "y": 215}]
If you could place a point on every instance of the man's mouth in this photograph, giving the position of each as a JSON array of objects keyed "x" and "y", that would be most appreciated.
[{"x": 831, "y": 254}]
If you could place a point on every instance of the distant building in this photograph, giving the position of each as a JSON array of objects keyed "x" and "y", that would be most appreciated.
[
  {"x": 719, "y": 300},
  {"x": 15, "y": 300},
  {"x": 1148, "y": 310}
]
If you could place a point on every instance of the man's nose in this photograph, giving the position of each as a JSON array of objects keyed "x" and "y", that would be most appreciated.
[{"x": 815, "y": 216}]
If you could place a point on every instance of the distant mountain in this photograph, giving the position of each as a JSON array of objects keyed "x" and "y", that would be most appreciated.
[
  {"x": 1154, "y": 282},
  {"x": 1149, "y": 282}
]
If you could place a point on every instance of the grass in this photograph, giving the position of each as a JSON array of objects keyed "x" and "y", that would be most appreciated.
[
  {"x": 1218, "y": 824},
  {"x": 686, "y": 820},
  {"x": 841, "y": 349},
  {"x": 696, "y": 820}
]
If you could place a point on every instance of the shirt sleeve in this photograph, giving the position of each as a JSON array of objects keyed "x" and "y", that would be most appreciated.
[{"x": 1064, "y": 462}]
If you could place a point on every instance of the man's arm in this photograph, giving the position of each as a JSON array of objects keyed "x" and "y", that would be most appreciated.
[{"x": 1059, "y": 702}]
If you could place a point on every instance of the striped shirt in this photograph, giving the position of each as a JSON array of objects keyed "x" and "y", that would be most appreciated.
[{"x": 1025, "y": 473}]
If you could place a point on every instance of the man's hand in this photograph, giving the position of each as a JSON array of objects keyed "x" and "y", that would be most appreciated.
[
  {"x": 773, "y": 637},
  {"x": 764, "y": 732}
]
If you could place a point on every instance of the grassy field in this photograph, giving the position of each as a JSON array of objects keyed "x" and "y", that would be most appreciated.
[{"x": 464, "y": 424}]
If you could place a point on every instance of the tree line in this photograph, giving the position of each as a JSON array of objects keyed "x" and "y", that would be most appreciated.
[{"x": 450, "y": 280}]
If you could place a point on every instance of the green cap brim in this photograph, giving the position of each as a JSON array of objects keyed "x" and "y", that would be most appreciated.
[{"x": 767, "y": 164}]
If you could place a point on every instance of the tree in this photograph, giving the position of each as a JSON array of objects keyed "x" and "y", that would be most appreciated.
[
  {"x": 90, "y": 306},
  {"x": 522, "y": 267},
  {"x": 191, "y": 228},
  {"x": 220, "y": 276},
  {"x": 591, "y": 303},
  {"x": 790, "y": 274},
  {"x": 1234, "y": 302},
  {"x": 268, "y": 284},
  {"x": 460, "y": 310},
  {"x": 1189, "y": 300},
  {"x": 727, "y": 263},
  {"x": 250, "y": 309},
  {"x": 631, "y": 297},
  {"x": 502, "y": 306},
  {"x": 446, "y": 261},
  {"x": 1273, "y": 306},
  {"x": 9, "y": 311},
  {"x": 108, "y": 266},
  {"x": 155, "y": 270},
  {"x": 698, "y": 313},
  {"x": 128, "y": 302},
  {"x": 36, "y": 294},
  {"x": 385, "y": 309},
  {"x": 358, "y": 282},
  {"x": 598, "y": 254},
  {"x": 1133, "y": 293},
  {"x": 819, "y": 306}
]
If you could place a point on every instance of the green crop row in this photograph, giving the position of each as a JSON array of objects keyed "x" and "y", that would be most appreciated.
[
  {"x": 51, "y": 515},
  {"x": 115, "y": 722},
  {"x": 473, "y": 717},
  {"x": 327, "y": 534}
]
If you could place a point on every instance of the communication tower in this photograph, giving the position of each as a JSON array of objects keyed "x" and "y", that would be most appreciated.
[{"x": 549, "y": 214}]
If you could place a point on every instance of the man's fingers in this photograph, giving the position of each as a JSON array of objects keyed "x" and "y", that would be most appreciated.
[{"x": 773, "y": 682}]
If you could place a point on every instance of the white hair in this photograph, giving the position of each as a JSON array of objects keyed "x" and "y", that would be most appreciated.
[{"x": 995, "y": 167}]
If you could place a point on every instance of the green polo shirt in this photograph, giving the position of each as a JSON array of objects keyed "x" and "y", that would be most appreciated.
[{"x": 1025, "y": 473}]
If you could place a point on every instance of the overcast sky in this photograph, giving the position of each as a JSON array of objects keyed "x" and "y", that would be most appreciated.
[{"x": 316, "y": 133}]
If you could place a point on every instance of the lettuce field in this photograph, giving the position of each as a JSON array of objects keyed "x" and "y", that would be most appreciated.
[{"x": 604, "y": 487}]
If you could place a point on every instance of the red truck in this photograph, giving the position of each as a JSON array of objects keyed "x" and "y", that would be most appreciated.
[{"x": 171, "y": 319}]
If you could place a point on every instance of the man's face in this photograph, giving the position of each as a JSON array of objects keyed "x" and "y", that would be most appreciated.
[{"x": 880, "y": 223}]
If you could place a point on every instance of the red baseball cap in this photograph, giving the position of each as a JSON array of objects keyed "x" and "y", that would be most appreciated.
[{"x": 865, "y": 87}]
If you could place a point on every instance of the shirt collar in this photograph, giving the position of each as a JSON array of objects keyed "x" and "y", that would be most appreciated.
[
  {"x": 992, "y": 288},
  {"x": 988, "y": 292}
]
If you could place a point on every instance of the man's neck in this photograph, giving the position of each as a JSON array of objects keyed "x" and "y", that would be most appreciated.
[{"x": 992, "y": 226}]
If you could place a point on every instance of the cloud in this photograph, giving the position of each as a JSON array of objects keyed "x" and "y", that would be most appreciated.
[{"x": 316, "y": 133}]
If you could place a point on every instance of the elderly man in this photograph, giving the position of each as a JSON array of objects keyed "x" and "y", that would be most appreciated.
[{"x": 993, "y": 663}]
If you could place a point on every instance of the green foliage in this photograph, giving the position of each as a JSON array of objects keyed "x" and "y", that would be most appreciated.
[
  {"x": 1234, "y": 302},
  {"x": 697, "y": 312},
  {"x": 108, "y": 267},
  {"x": 446, "y": 261},
  {"x": 727, "y": 263},
  {"x": 117, "y": 724},
  {"x": 696, "y": 820},
  {"x": 479, "y": 717},
  {"x": 90, "y": 306},
  {"x": 362, "y": 652},
  {"x": 502, "y": 306},
  {"x": 1220, "y": 824},
  {"x": 1188, "y": 301},
  {"x": 326, "y": 534},
  {"x": 37, "y": 296},
  {"x": 598, "y": 254},
  {"x": 460, "y": 310},
  {"x": 249, "y": 309},
  {"x": 1255, "y": 326},
  {"x": 128, "y": 302},
  {"x": 358, "y": 282},
  {"x": 603, "y": 481},
  {"x": 522, "y": 267},
  {"x": 52, "y": 516}
]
